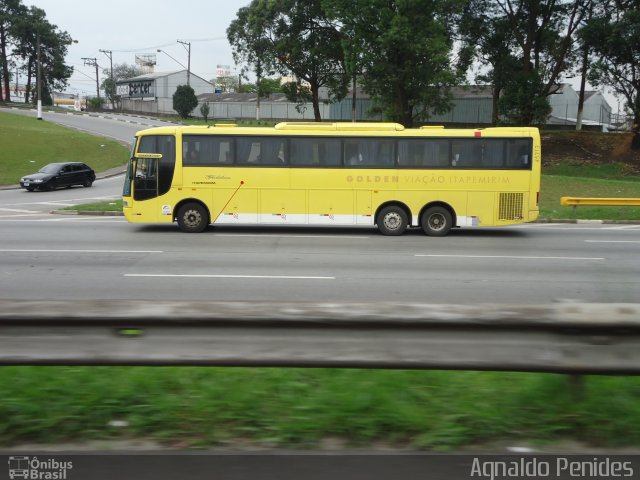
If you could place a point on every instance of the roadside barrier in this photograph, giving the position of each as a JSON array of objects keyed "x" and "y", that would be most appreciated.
[
  {"x": 570, "y": 338},
  {"x": 593, "y": 201}
]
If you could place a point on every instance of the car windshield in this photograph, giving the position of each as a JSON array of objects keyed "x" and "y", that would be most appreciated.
[{"x": 51, "y": 168}]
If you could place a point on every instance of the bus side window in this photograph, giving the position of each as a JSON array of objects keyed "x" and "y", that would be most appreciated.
[{"x": 518, "y": 153}]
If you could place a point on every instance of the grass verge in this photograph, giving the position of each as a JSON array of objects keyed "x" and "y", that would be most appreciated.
[
  {"x": 29, "y": 144},
  {"x": 202, "y": 407},
  {"x": 553, "y": 187},
  {"x": 109, "y": 206}
]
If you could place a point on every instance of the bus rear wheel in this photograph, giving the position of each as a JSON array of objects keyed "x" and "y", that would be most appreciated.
[
  {"x": 436, "y": 221},
  {"x": 392, "y": 221},
  {"x": 192, "y": 218}
]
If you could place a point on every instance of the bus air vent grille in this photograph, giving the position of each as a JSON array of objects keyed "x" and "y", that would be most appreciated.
[{"x": 511, "y": 206}]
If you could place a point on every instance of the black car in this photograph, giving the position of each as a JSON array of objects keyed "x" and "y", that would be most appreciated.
[{"x": 57, "y": 175}]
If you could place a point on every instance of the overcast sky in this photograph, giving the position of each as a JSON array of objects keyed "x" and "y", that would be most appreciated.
[{"x": 130, "y": 27}]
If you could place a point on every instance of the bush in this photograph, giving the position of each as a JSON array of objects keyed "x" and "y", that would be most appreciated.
[
  {"x": 95, "y": 103},
  {"x": 184, "y": 100}
]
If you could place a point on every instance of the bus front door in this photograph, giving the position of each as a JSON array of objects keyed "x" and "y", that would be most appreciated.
[{"x": 145, "y": 188}]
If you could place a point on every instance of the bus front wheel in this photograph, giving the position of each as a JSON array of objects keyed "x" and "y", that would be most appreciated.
[
  {"x": 436, "y": 221},
  {"x": 392, "y": 221},
  {"x": 192, "y": 218}
]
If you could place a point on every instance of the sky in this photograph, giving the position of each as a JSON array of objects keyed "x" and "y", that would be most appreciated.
[{"x": 130, "y": 27}]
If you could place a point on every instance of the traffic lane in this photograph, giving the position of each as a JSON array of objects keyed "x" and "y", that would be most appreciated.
[
  {"x": 112, "y": 274},
  {"x": 111, "y": 125},
  {"x": 19, "y": 201},
  {"x": 523, "y": 240},
  {"x": 116, "y": 260}
]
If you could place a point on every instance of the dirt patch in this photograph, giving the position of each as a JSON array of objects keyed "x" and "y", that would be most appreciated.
[{"x": 589, "y": 148}]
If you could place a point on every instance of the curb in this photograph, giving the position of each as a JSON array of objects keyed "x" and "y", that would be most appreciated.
[{"x": 87, "y": 212}]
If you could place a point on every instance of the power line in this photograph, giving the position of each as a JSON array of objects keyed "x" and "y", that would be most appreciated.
[{"x": 134, "y": 50}]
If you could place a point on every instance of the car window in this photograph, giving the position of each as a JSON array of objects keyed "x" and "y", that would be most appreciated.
[{"x": 51, "y": 168}]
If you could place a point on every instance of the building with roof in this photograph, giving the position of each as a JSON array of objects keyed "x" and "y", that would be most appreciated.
[
  {"x": 564, "y": 104},
  {"x": 471, "y": 105},
  {"x": 153, "y": 92}
]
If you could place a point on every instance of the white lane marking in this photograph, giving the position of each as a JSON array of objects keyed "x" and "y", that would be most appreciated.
[
  {"x": 511, "y": 257},
  {"x": 16, "y": 210},
  {"x": 17, "y": 250},
  {"x": 66, "y": 200},
  {"x": 259, "y": 277},
  {"x": 612, "y": 241}
]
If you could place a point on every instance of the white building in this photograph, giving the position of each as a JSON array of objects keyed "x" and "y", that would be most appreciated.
[
  {"x": 564, "y": 102},
  {"x": 153, "y": 92}
]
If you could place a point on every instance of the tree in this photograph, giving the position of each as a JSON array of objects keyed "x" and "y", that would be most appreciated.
[
  {"x": 293, "y": 37},
  {"x": 248, "y": 37},
  {"x": 266, "y": 87},
  {"x": 184, "y": 100},
  {"x": 31, "y": 28},
  {"x": 227, "y": 83},
  {"x": 10, "y": 11},
  {"x": 404, "y": 48},
  {"x": 543, "y": 37},
  {"x": 487, "y": 38},
  {"x": 121, "y": 71},
  {"x": 204, "y": 111},
  {"x": 614, "y": 38}
]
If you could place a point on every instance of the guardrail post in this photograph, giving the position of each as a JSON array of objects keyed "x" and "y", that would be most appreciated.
[{"x": 575, "y": 383}]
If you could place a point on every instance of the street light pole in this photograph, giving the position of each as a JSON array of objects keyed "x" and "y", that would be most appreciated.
[
  {"x": 179, "y": 63},
  {"x": 188, "y": 49}
]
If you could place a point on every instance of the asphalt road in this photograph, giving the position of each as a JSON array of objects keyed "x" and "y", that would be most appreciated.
[
  {"x": 111, "y": 125},
  {"x": 62, "y": 257},
  {"x": 70, "y": 257}
]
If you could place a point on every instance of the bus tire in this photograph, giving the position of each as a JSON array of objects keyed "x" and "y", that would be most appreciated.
[
  {"x": 193, "y": 218},
  {"x": 436, "y": 221},
  {"x": 392, "y": 221}
]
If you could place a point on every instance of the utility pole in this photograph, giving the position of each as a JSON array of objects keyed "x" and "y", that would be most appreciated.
[
  {"x": 39, "y": 77},
  {"x": 109, "y": 54},
  {"x": 93, "y": 62},
  {"x": 188, "y": 49}
]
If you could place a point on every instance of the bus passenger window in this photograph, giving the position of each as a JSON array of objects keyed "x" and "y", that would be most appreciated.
[
  {"x": 315, "y": 152},
  {"x": 518, "y": 153}
]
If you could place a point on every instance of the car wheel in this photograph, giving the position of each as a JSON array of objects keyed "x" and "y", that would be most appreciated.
[
  {"x": 87, "y": 183},
  {"x": 392, "y": 221},
  {"x": 30, "y": 189},
  {"x": 193, "y": 218},
  {"x": 436, "y": 221}
]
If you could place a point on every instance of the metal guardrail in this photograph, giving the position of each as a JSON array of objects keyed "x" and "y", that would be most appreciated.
[
  {"x": 576, "y": 201},
  {"x": 563, "y": 337}
]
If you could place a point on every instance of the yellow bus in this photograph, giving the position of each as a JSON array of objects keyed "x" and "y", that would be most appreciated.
[{"x": 334, "y": 174}]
